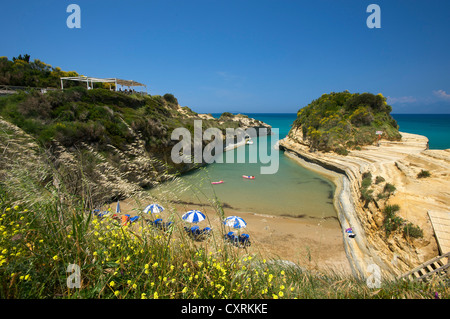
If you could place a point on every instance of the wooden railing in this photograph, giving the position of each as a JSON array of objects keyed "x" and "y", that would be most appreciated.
[{"x": 436, "y": 266}]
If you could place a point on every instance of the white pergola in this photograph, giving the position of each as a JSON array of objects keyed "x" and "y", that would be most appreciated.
[{"x": 91, "y": 80}]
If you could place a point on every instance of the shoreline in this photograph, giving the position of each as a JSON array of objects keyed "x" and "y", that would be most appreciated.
[
  {"x": 342, "y": 204},
  {"x": 399, "y": 163},
  {"x": 313, "y": 244}
]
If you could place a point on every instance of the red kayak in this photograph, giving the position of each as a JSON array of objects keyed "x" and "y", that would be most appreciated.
[
  {"x": 248, "y": 176},
  {"x": 219, "y": 182}
]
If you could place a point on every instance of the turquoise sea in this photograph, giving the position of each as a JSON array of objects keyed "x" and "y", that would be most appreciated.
[
  {"x": 292, "y": 190},
  {"x": 434, "y": 126}
]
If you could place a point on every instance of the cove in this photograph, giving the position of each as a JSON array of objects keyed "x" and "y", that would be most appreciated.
[{"x": 292, "y": 191}]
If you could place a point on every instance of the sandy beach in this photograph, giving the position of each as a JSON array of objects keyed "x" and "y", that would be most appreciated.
[{"x": 310, "y": 243}]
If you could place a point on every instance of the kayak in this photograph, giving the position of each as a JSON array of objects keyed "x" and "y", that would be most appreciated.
[
  {"x": 219, "y": 182},
  {"x": 249, "y": 177}
]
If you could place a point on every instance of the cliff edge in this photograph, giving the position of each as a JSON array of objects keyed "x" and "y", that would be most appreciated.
[{"x": 397, "y": 163}]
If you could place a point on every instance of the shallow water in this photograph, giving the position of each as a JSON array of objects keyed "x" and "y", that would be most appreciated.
[{"x": 292, "y": 190}]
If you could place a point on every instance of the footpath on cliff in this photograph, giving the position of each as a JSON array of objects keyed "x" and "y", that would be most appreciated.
[{"x": 398, "y": 163}]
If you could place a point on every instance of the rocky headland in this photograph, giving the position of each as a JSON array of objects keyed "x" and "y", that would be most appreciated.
[{"x": 397, "y": 163}]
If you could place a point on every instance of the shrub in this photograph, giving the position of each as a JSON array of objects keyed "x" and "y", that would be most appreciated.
[
  {"x": 410, "y": 230},
  {"x": 169, "y": 97},
  {"x": 389, "y": 188},
  {"x": 382, "y": 196},
  {"x": 423, "y": 174},
  {"x": 226, "y": 115},
  {"x": 366, "y": 195},
  {"x": 367, "y": 175},
  {"x": 392, "y": 224},
  {"x": 342, "y": 151},
  {"x": 366, "y": 182},
  {"x": 379, "y": 179},
  {"x": 391, "y": 221},
  {"x": 390, "y": 210}
]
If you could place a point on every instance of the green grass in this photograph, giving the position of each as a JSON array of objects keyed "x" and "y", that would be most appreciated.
[
  {"x": 138, "y": 262},
  {"x": 44, "y": 230}
]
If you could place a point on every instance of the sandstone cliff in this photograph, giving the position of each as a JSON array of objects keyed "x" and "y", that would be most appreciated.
[
  {"x": 398, "y": 163},
  {"x": 99, "y": 144}
]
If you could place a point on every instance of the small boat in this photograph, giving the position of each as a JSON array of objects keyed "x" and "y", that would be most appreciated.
[
  {"x": 219, "y": 182},
  {"x": 248, "y": 176}
]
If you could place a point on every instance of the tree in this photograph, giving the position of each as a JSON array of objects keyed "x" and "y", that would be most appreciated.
[{"x": 25, "y": 58}]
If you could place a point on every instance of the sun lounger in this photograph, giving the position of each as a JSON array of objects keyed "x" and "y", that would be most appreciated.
[
  {"x": 244, "y": 240},
  {"x": 134, "y": 219},
  {"x": 195, "y": 231},
  {"x": 232, "y": 238},
  {"x": 97, "y": 213},
  {"x": 206, "y": 231},
  {"x": 158, "y": 223}
]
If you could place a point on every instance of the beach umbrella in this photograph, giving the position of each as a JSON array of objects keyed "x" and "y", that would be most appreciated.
[
  {"x": 235, "y": 222},
  {"x": 193, "y": 216},
  {"x": 153, "y": 209}
]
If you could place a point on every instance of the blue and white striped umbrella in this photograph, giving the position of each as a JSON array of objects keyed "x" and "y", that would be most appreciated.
[
  {"x": 235, "y": 222},
  {"x": 153, "y": 208},
  {"x": 193, "y": 216}
]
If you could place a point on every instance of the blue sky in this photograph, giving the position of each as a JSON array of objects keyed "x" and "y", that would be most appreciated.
[{"x": 246, "y": 56}]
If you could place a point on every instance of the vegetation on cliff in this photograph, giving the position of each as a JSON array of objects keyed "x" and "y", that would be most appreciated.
[
  {"x": 117, "y": 143},
  {"x": 342, "y": 121},
  {"x": 20, "y": 71}
]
